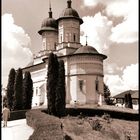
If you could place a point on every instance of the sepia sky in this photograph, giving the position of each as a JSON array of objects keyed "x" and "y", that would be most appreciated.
[{"x": 111, "y": 27}]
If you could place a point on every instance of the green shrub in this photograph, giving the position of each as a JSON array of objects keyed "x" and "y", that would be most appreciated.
[
  {"x": 96, "y": 125},
  {"x": 106, "y": 117}
]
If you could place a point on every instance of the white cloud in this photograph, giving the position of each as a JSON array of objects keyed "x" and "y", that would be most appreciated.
[
  {"x": 90, "y": 2},
  {"x": 128, "y": 80},
  {"x": 111, "y": 68},
  {"x": 15, "y": 43},
  {"x": 130, "y": 76},
  {"x": 115, "y": 84},
  {"x": 121, "y": 7},
  {"x": 98, "y": 29},
  {"x": 127, "y": 31}
]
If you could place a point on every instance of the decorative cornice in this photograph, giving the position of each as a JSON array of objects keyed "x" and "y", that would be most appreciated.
[{"x": 89, "y": 74}]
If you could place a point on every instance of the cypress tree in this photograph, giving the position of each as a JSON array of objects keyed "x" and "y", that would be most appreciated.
[
  {"x": 60, "y": 101},
  {"x": 107, "y": 95},
  {"x": 129, "y": 101},
  {"x": 51, "y": 84},
  {"x": 126, "y": 100},
  {"x": 18, "y": 97},
  {"x": 10, "y": 88},
  {"x": 106, "y": 91},
  {"x": 27, "y": 91}
]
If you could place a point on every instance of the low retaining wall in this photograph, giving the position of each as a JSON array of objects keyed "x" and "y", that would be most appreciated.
[
  {"x": 19, "y": 114},
  {"x": 99, "y": 111}
]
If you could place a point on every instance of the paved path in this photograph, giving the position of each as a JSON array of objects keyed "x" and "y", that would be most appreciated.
[{"x": 16, "y": 130}]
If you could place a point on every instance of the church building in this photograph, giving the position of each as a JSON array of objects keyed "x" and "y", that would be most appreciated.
[{"x": 83, "y": 64}]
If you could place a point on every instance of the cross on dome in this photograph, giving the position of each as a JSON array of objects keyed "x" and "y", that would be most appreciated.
[
  {"x": 69, "y": 3},
  {"x": 50, "y": 12}
]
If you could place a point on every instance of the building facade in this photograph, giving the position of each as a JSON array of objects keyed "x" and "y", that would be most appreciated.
[
  {"x": 120, "y": 99},
  {"x": 83, "y": 64}
]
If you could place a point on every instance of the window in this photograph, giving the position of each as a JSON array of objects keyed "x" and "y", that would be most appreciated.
[
  {"x": 66, "y": 37},
  {"x": 74, "y": 37},
  {"x": 61, "y": 39},
  {"x": 55, "y": 45},
  {"x": 44, "y": 43},
  {"x": 48, "y": 46},
  {"x": 81, "y": 83},
  {"x": 36, "y": 91},
  {"x": 97, "y": 84},
  {"x": 135, "y": 101}
]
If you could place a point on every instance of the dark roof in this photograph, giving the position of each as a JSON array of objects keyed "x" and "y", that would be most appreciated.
[
  {"x": 89, "y": 50},
  {"x": 48, "y": 24},
  {"x": 134, "y": 94},
  {"x": 86, "y": 49},
  {"x": 69, "y": 12}
]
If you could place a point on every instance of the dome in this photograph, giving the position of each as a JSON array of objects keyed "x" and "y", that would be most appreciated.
[
  {"x": 70, "y": 13},
  {"x": 86, "y": 49},
  {"x": 89, "y": 50},
  {"x": 49, "y": 22}
]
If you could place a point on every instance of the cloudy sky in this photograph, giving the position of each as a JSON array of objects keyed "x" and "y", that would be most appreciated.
[{"x": 111, "y": 27}]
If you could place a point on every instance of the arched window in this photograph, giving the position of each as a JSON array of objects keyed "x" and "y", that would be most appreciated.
[
  {"x": 81, "y": 83},
  {"x": 97, "y": 84},
  {"x": 74, "y": 37}
]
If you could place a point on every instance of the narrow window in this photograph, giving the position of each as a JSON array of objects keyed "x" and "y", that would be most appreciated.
[
  {"x": 48, "y": 46},
  {"x": 66, "y": 38},
  {"x": 97, "y": 84},
  {"x": 81, "y": 83},
  {"x": 55, "y": 45},
  {"x": 61, "y": 39},
  {"x": 74, "y": 37},
  {"x": 36, "y": 91}
]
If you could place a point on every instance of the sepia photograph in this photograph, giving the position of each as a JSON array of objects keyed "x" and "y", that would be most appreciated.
[{"x": 69, "y": 70}]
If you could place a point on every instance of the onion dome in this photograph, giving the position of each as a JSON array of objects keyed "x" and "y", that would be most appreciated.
[
  {"x": 69, "y": 12},
  {"x": 48, "y": 24}
]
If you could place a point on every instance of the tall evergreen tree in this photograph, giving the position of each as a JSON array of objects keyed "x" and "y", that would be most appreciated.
[
  {"x": 51, "y": 83},
  {"x": 126, "y": 100},
  {"x": 27, "y": 91},
  {"x": 60, "y": 101},
  {"x": 106, "y": 91},
  {"x": 10, "y": 88},
  {"x": 129, "y": 101},
  {"x": 18, "y": 97},
  {"x": 107, "y": 94}
]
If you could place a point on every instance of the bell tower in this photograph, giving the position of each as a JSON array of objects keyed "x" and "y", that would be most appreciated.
[
  {"x": 69, "y": 29},
  {"x": 49, "y": 33}
]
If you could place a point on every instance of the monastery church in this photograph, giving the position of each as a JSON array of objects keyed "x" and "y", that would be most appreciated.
[{"x": 83, "y": 64}]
